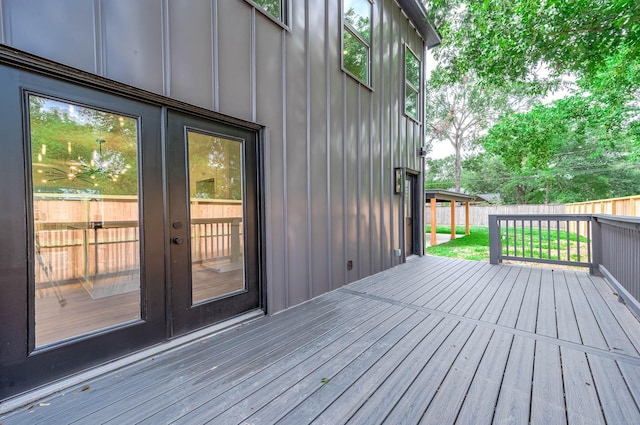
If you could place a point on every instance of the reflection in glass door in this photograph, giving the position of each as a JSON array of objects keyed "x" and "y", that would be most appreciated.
[
  {"x": 84, "y": 165},
  {"x": 216, "y": 192},
  {"x": 212, "y": 195}
]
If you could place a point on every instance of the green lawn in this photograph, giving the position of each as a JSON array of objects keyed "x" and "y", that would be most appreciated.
[{"x": 476, "y": 245}]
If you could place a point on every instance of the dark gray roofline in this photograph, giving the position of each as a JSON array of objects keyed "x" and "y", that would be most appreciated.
[{"x": 416, "y": 12}]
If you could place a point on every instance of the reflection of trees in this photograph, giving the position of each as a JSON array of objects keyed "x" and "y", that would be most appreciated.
[
  {"x": 412, "y": 86},
  {"x": 216, "y": 162},
  {"x": 355, "y": 52},
  {"x": 274, "y": 7},
  {"x": 66, "y": 158}
]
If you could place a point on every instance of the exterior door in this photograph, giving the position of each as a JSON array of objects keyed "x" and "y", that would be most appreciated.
[
  {"x": 82, "y": 266},
  {"x": 117, "y": 235},
  {"x": 411, "y": 214},
  {"x": 212, "y": 179}
]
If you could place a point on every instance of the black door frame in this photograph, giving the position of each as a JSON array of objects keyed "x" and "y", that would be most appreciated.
[
  {"x": 186, "y": 316},
  {"x": 22, "y": 368},
  {"x": 416, "y": 212}
]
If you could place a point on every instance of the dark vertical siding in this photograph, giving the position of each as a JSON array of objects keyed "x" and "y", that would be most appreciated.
[
  {"x": 350, "y": 161},
  {"x": 296, "y": 164},
  {"x": 331, "y": 144},
  {"x": 53, "y": 19},
  {"x": 336, "y": 176},
  {"x": 191, "y": 52},
  {"x": 234, "y": 58},
  {"x": 269, "y": 107},
  {"x": 133, "y": 43},
  {"x": 319, "y": 183}
]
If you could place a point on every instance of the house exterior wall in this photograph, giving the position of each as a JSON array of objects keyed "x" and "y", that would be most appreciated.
[{"x": 331, "y": 143}]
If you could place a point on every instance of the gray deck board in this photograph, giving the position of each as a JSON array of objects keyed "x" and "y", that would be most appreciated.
[
  {"x": 547, "y": 396},
  {"x": 514, "y": 401},
  {"x": 431, "y": 341},
  {"x": 482, "y": 397}
]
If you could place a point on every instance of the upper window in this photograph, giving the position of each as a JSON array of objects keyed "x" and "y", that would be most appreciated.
[
  {"x": 356, "y": 39},
  {"x": 411, "y": 83},
  {"x": 275, "y": 8}
]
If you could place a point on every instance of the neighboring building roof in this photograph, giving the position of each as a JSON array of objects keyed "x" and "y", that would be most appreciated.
[
  {"x": 493, "y": 198},
  {"x": 418, "y": 15},
  {"x": 447, "y": 196}
]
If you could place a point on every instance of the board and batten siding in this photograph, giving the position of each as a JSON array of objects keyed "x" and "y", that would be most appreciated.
[{"x": 331, "y": 144}]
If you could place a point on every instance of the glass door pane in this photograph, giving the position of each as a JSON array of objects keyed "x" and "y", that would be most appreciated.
[
  {"x": 216, "y": 193},
  {"x": 86, "y": 271}
]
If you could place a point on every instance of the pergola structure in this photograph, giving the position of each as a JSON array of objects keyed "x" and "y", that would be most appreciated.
[{"x": 434, "y": 196}]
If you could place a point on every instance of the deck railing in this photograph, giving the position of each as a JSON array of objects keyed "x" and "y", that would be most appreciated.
[{"x": 606, "y": 244}]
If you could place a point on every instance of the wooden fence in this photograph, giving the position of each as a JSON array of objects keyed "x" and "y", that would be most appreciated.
[
  {"x": 627, "y": 206},
  {"x": 479, "y": 214}
]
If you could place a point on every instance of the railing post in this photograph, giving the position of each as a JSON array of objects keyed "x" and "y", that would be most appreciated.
[
  {"x": 495, "y": 244},
  {"x": 596, "y": 245},
  {"x": 235, "y": 240}
]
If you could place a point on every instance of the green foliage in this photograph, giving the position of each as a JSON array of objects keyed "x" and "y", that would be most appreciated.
[
  {"x": 274, "y": 7},
  {"x": 67, "y": 158},
  {"x": 439, "y": 173},
  {"x": 586, "y": 146},
  {"x": 356, "y": 39},
  {"x": 575, "y": 149},
  {"x": 474, "y": 246},
  {"x": 508, "y": 40}
]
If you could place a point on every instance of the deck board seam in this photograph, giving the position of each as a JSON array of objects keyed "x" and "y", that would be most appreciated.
[{"x": 517, "y": 332}]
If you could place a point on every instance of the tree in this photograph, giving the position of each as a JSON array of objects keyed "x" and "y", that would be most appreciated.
[
  {"x": 439, "y": 173},
  {"x": 506, "y": 41},
  {"x": 460, "y": 112},
  {"x": 566, "y": 152}
]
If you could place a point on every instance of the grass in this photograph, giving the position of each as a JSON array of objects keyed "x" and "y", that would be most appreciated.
[
  {"x": 546, "y": 244},
  {"x": 475, "y": 246},
  {"x": 447, "y": 229}
]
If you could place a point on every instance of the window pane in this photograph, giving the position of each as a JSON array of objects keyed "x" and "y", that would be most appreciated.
[
  {"x": 356, "y": 57},
  {"x": 85, "y": 209},
  {"x": 216, "y": 193},
  {"x": 274, "y": 7},
  {"x": 411, "y": 102},
  {"x": 412, "y": 68},
  {"x": 358, "y": 14}
]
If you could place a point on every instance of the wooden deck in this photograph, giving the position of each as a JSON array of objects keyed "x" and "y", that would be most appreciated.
[{"x": 436, "y": 340}]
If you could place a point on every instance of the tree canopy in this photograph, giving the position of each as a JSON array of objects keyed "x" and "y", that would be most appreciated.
[
  {"x": 584, "y": 146},
  {"x": 504, "y": 41}
]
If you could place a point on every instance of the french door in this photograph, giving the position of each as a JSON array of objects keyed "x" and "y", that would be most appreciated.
[
  {"x": 124, "y": 225},
  {"x": 213, "y": 213}
]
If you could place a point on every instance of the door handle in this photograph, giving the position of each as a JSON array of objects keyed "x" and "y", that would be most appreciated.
[{"x": 178, "y": 240}]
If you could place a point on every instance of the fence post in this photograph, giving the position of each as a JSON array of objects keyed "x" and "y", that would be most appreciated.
[
  {"x": 596, "y": 245},
  {"x": 495, "y": 244}
]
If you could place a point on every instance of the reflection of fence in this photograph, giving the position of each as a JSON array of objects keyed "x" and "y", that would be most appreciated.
[
  {"x": 80, "y": 251},
  {"x": 215, "y": 239}
]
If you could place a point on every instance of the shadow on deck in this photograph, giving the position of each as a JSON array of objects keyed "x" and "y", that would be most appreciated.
[{"x": 435, "y": 340}]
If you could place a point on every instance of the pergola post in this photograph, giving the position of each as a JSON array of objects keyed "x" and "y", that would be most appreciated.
[
  {"x": 453, "y": 220},
  {"x": 467, "y": 215},
  {"x": 434, "y": 241}
]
